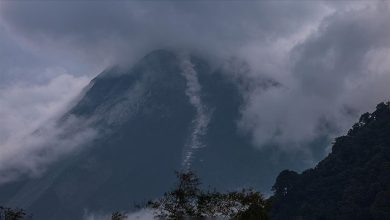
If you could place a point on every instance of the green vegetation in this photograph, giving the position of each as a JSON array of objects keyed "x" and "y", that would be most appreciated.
[
  {"x": 187, "y": 200},
  {"x": 352, "y": 182}
]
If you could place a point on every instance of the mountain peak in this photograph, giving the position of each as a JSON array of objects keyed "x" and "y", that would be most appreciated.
[
  {"x": 153, "y": 59},
  {"x": 158, "y": 70}
]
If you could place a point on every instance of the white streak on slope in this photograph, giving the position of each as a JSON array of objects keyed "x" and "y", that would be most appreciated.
[{"x": 202, "y": 118}]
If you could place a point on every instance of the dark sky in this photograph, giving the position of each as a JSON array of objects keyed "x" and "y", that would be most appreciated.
[{"x": 331, "y": 59}]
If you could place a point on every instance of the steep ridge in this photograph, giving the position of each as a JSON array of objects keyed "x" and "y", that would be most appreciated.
[
  {"x": 143, "y": 117},
  {"x": 353, "y": 182}
]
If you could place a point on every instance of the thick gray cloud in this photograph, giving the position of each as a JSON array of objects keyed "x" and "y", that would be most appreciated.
[
  {"x": 105, "y": 32},
  {"x": 336, "y": 73},
  {"x": 329, "y": 58}
]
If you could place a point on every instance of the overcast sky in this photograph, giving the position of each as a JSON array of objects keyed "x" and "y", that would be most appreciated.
[{"x": 330, "y": 58}]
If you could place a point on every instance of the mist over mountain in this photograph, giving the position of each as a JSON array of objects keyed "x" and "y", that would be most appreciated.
[
  {"x": 101, "y": 101},
  {"x": 329, "y": 60},
  {"x": 170, "y": 111}
]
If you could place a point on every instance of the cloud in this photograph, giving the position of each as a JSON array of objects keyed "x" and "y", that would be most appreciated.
[
  {"x": 25, "y": 60},
  {"x": 329, "y": 59},
  {"x": 338, "y": 72},
  {"x": 105, "y": 32},
  {"x": 51, "y": 49},
  {"x": 29, "y": 135}
]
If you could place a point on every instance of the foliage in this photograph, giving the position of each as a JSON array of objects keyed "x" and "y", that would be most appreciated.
[
  {"x": 181, "y": 201},
  {"x": 11, "y": 213},
  {"x": 352, "y": 182},
  {"x": 118, "y": 216},
  {"x": 187, "y": 200}
]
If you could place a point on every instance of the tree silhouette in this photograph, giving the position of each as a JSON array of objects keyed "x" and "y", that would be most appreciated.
[
  {"x": 11, "y": 214},
  {"x": 118, "y": 216},
  {"x": 187, "y": 200},
  {"x": 181, "y": 201}
]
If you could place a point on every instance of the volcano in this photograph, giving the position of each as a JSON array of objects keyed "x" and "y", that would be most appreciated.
[{"x": 168, "y": 112}]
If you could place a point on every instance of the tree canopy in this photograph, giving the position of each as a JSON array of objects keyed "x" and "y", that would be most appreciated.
[
  {"x": 187, "y": 200},
  {"x": 352, "y": 182}
]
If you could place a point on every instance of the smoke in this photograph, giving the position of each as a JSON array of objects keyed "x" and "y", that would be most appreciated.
[{"x": 202, "y": 117}]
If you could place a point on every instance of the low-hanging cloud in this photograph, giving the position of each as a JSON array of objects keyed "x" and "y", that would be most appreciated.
[
  {"x": 30, "y": 137},
  {"x": 338, "y": 72},
  {"x": 329, "y": 60},
  {"x": 104, "y": 32}
]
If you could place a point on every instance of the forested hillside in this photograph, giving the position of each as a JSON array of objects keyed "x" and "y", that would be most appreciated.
[{"x": 352, "y": 182}]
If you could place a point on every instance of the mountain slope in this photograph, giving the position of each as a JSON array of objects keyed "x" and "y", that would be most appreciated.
[
  {"x": 142, "y": 126},
  {"x": 353, "y": 182},
  {"x": 168, "y": 112}
]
